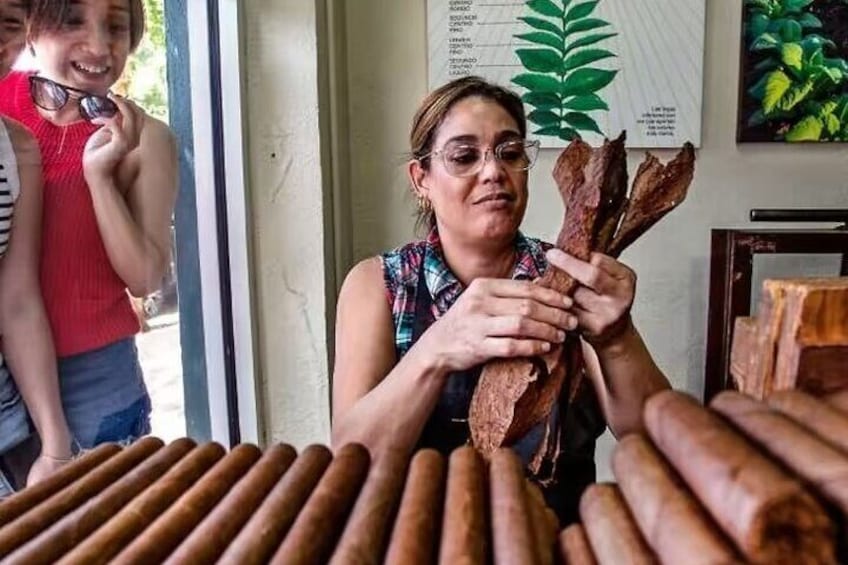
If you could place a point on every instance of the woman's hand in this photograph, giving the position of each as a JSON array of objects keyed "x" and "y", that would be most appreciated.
[
  {"x": 602, "y": 301},
  {"x": 107, "y": 146},
  {"x": 57, "y": 449},
  {"x": 43, "y": 467},
  {"x": 498, "y": 318}
]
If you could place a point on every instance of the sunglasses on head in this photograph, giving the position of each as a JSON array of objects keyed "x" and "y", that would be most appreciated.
[{"x": 51, "y": 96}]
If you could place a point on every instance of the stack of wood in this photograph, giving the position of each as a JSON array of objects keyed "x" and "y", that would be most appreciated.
[
  {"x": 799, "y": 338},
  {"x": 188, "y": 503},
  {"x": 740, "y": 481}
]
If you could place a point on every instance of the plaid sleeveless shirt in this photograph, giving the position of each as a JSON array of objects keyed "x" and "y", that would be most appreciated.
[
  {"x": 401, "y": 268},
  {"x": 420, "y": 288}
]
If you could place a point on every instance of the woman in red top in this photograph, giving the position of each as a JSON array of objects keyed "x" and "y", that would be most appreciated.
[
  {"x": 110, "y": 180},
  {"x": 27, "y": 347}
]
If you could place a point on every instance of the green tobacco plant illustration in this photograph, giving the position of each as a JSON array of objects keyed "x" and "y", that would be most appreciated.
[{"x": 562, "y": 86}]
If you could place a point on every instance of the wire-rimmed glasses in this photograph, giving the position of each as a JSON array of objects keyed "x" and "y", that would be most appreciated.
[{"x": 463, "y": 159}]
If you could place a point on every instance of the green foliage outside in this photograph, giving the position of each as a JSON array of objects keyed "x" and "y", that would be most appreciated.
[
  {"x": 796, "y": 82},
  {"x": 145, "y": 79},
  {"x": 561, "y": 85}
]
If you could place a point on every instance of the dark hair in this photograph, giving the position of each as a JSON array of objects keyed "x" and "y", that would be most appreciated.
[
  {"x": 51, "y": 14},
  {"x": 435, "y": 107}
]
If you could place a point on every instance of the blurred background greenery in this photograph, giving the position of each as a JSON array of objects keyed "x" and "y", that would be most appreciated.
[{"x": 144, "y": 79}]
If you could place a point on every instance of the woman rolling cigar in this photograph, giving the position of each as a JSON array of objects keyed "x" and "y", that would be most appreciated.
[
  {"x": 415, "y": 324},
  {"x": 27, "y": 346}
]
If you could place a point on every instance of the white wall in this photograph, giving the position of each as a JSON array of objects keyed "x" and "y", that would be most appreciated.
[
  {"x": 386, "y": 69},
  {"x": 287, "y": 200}
]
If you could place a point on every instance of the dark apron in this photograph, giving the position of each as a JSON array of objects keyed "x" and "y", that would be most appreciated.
[{"x": 447, "y": 428}]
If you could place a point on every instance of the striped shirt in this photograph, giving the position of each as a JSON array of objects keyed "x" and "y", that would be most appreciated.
[
  {"x": 400, "y": 275},
  {"x": 9, "y": 186}
]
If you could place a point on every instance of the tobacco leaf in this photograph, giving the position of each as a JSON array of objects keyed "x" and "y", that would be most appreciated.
[{"x": 514, "y": 395}]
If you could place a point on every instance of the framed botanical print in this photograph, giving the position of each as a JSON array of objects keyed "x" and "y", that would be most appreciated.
[{"x": 794, "y": 71}]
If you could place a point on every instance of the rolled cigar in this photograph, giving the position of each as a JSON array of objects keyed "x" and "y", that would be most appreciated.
[
  {"x": 108, "y": 540},
  {"x": 821, "y": 465},
  {"x": 264, "y": 531},
  {"x": 657, "y": 499},
  {"x": 202, "y": 536},
  {"x": 797, "y": 434},
  {"x": 18, "y": 503},
  {"x": 59, "y": 538},
  {"x": 839, "y": 399},
  {"x": 553, "y": 521},
  {"x": 610, "y": 528},
  {"x": 574, "y": 548},
  {"x": 767, "y": 513},
  {"x": 160, "y": 539},
  {"x": 513, "y": 540},
  {"x": 544, "y": 530},
  {"x": 37, "y": 519},
  {"x": 416, "y": 530},
  {"x": 821, "y": 417},
  {"x": 464, "y": 526},
  {"x": 366, "y": 533},
  {"x": 317, "y": 527}
]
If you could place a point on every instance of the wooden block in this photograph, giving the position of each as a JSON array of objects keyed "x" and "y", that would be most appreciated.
[
  {"x": 769, "y": 320},
  {"x": 744, "y": 355},
  {"x": 812, "y": 352},
  {"x": 798, "y": 339},
  {"x": 753, "y": 353},
  {"x": 822, "y": 369}
]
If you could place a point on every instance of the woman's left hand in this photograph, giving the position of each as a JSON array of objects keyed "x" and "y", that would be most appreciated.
[
  {"x": 107, "y": 146},
  {"x": 43, "y": 467},
  {"x": 602, "y": 301}
]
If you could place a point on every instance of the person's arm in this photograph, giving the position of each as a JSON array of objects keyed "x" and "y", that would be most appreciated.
[
  {"x": 27, "y": 341},
  {"x": 385, "y": 404},
  {"x": 130, "y": 166},
  {"x": 376, "y": 402},
  {"x": 616, "y": 360},
  {"x": 625, "y": 376}
]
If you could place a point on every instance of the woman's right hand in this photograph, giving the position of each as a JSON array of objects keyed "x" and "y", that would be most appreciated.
[
  {"x": 108, "y": 146},
  {"x": 497, "y": 318}
]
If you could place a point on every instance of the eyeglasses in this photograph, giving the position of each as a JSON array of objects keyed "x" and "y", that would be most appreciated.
[
  {"x": 51, "y": 96},
  {"x": 467, "y": 159}
]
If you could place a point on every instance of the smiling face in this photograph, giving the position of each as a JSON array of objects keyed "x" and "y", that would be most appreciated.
[
  {"x": 12, "y": 33},
  {"x": 484, "y": 207},
  {"x": 89, "y": 49}
]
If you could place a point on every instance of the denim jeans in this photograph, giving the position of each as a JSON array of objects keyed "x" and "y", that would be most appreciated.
[
  {"x": 104, "y": 395},
  {"x": 14, "y": 423}
]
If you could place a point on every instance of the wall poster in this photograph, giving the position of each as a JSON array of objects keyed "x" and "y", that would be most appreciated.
[
  {"x": 588, "y": 68},
  {"x": 794, "y": 71}
]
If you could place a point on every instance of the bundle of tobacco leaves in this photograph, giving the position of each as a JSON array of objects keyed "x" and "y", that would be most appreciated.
[{"x": 514, "y": 395}]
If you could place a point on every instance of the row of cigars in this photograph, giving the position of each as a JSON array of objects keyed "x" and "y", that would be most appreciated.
[
  {"x": 743, "y": 481},
  {"x": 740, "y": 481},
  {"x": 194, "y": 504}
]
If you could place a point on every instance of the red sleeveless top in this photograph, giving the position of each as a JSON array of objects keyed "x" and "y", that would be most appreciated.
[{"x": 86, "y": 301}]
